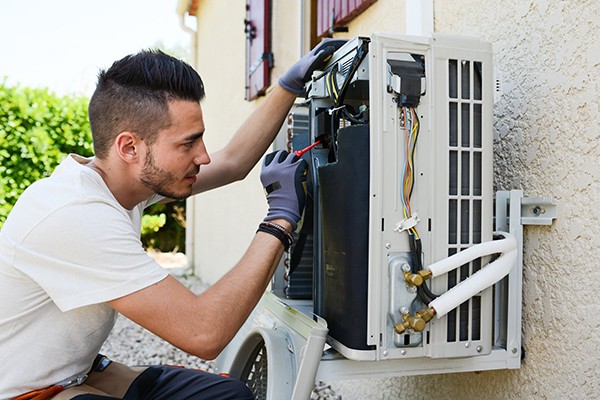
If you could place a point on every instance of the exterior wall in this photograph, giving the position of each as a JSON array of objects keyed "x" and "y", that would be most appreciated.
[
  {"x": 382, "y": 16},
  {"x": 224, "y": 220},
  {"x": 547, "y": 140},
  {"x": 546, "y": 143}
]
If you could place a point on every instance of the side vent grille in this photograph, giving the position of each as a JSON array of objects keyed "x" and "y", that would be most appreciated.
[{"x": 465, "y": 187}]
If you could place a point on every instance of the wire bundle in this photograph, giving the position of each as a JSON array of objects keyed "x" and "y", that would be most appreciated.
[
  {"x": 411, "y": 129},
  {"x": 411, "y": 134}
]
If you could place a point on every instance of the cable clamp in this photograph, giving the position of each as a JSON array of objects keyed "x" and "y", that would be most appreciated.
[{"x": 407, "y": 223}]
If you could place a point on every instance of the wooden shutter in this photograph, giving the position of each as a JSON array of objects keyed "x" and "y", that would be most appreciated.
[
  {"x": 259, "y": 58},
  {"x": 332, "y": 15}
]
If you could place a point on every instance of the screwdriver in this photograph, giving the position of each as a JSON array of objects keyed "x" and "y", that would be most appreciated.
[{"x": 304, "y": 150}]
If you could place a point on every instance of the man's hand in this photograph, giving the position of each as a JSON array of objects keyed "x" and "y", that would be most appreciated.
[
  {"x": 298, "y": 74},
  {"x": 283, "y": 177}
]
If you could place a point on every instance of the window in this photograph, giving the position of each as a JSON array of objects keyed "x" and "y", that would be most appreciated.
[
  {"x": 259, "y": 59},
  {"x": 332, "y": 15}
]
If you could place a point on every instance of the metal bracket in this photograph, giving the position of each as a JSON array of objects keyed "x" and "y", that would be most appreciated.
[{"x": 538, "y": 210}]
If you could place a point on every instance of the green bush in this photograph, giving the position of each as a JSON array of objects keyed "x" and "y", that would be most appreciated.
[
  {"x": 163, "y": 226},
  {"x": 38, "y": 129}
]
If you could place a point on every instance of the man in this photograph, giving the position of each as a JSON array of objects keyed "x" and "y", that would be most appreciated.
[{"x": 71, "y": 257}]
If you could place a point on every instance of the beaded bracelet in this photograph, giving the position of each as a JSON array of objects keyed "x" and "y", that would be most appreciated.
[
  {"x": 282, "y": 229},
  {"x": 278, "y": 231}
]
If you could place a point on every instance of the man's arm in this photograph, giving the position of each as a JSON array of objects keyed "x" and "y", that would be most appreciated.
[
  {"x": 203, "y": 324},
  {"x": 249, "y": 143}
]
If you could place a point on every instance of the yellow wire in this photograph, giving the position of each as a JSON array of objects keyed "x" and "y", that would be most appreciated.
[
  {"x": 331, "y": 85},
  {"x": 410, "y": 143}
]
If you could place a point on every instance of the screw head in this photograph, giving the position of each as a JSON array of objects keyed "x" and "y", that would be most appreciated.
[
  {"x": 405, "y": 267},
  {"x": 467, "y": 345},
  {"x": 403, "y": 352},
  {"x": 479, "y": 349},
  {"x": 385, "y": 353},
  {"x": 514, "y": 350},
  {"x": 388, "y": 245}
]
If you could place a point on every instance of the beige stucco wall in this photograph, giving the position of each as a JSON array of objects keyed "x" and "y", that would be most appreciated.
[
  {"x": 547, "y": 142},
  {"x": 225, "y": 220}
]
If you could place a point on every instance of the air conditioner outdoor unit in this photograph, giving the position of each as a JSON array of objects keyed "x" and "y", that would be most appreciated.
[
  {"x": 402, "y": 178},
  {"x": 406, "y": 262}
]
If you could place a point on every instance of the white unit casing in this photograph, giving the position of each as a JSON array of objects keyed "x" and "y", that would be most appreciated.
[{"x": 451, "y": 195}]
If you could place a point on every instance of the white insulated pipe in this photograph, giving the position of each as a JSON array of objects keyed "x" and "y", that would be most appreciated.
[
  {"x": 479, "y": 250},
  {"x": 482, "y": 279}
]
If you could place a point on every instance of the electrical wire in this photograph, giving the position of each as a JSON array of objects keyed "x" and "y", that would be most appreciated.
[
  {"x": 337, "y": 94},
  {"x": 411, "y": 134},
  {"x": 411, "y": 129},
  {"x": 331, "y": 82},
  {"x": 361, "y": 53}
]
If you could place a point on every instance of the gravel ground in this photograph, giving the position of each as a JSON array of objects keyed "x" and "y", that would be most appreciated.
[{"x": 131, "y": 344}]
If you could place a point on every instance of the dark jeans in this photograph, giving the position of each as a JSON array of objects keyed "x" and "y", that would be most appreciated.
[{"x": 173, "y": 383}]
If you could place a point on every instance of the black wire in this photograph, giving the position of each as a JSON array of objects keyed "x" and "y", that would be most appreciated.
[
  {"x": 332, "y": 76},
  {"x": 352, "y": 118},
  {"x": 426, "y": 295},
  {"x": 361, "y": 53},
  {"x": 416, "y": 249}
]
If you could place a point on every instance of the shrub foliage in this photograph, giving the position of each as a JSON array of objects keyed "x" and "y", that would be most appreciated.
[{"x": 38, "y": 129}]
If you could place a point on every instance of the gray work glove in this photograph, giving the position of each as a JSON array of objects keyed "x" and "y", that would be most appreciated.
[
  {"x": 283, "y": 177},
  {"x": 298, "y": 74}
]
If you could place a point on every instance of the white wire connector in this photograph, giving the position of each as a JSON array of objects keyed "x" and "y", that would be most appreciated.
[
  {"x": 334, "y": 109},
  {"x": 407, "y": 223}
]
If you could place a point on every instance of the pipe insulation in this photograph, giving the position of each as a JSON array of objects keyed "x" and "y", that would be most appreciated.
[
  {"x": 479, "y": 250},
  {"x": 482, "y": 279}
]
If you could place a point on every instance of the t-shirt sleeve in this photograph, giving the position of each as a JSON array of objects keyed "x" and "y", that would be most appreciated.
[{"x": 85, "y": 254}]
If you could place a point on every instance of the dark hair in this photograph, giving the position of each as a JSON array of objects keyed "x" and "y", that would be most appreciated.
[{"x": 133, "y": 95}]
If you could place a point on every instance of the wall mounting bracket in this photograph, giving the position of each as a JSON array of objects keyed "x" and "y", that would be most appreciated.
[{"x": 537, "y": 210}]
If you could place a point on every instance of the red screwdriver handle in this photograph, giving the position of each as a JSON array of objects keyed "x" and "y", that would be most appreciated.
[{"x": 304, "y": 150}]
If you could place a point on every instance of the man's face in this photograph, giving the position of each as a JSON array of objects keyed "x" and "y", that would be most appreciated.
[{"x": 174, "y": 159}]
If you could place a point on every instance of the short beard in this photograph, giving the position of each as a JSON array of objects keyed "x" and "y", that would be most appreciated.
[{"x": 158, "y": 179}]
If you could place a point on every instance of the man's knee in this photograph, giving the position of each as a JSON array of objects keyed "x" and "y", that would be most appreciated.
[
  {"x": 235, "y": 389},
  {"x": 163, "y": 382}
]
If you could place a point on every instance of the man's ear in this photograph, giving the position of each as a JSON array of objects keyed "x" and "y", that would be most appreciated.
[{"x": 127, "y": 145}]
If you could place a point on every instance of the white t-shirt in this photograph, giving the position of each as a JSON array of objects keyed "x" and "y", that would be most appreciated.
[{"x": 66, "y": 248}]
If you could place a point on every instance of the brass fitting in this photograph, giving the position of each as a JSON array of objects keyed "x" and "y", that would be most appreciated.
[
  {"x": 415, "y": 322},
  {"x": 426, "y": 314},
  {"x": 399, "y": 328},
  {"x": 417, "y": 278}
]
